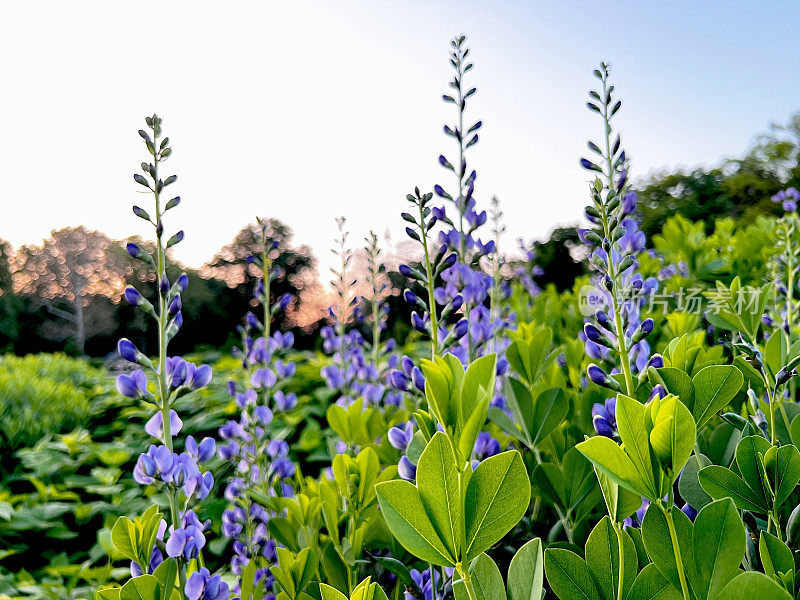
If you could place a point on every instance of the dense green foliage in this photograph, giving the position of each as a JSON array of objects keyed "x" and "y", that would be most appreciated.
[{"x": 631, "y": 431}]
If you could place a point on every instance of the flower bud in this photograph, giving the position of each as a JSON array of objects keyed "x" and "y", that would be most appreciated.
[
  {"x": 461, "y": 329},
  {"x": 141, "y": 213},
  {"x": 128, "y": 350},
  {"x": 133, "y": 296},
  {"x": 174, "y": 306},
  {"x": 406, "y": 469}
]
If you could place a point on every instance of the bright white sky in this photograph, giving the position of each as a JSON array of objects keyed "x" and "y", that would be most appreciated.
[{"x": 305, "y": 111}]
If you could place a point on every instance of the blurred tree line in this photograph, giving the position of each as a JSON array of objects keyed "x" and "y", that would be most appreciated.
[{"x": 65, "y": 293}]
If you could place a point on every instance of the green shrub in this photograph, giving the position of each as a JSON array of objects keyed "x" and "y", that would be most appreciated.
[{"x": 44, "y": 394}]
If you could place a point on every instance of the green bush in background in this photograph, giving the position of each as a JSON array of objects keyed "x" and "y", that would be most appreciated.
[{"x": 43, "y": 394}]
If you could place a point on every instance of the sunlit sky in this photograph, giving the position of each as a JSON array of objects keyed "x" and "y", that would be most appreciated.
[{"x": 305, "y": 111}]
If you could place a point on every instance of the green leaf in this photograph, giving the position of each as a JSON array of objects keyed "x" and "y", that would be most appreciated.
[
  {"x": 125, "y": 538},
  {"x": 569, "y": 576},
  {"x": 520, "y": 401},
  {"x": 437, "y": 482},
  {"x": 719, "y": 482},
  {"x": 719, "y": 544},
  {"x": 752, "y": 585},
  {"x": 673, "y": 435},
  {"x": 406, "y": 518},
  {"x": 775, "y": 352},
  {"x": 476, "y": 393},
  {"x": 748, "y": 458},
  {"x": 786, "y": 473},
  {"x": 689, "y": 484},
  {"x": 107, "y": 594},
  {"x": 144, "y": 587},
  {"x": 549, "y": 481},
  {"x": 497, "y": 497},
  {"x": 334, "y": 567},
  {"x": 602, "y": 556},
  {"x": 580, "y": 480},
  {"x": 776, "y": 557},
  {"x": 658, "y": 542},
  {"x": 167, "y": 574},
  {"x": 794, "y": 430},
  {"x": 549, "y": 411},
  {"x": 635, "y": 439},
  {"x": 650, "y": 584},
  {"x": 526, "y": 572},
  {"x": 609, "y": 458},
  {"x": 714, "y": 388},
  {"x": 678, "y": 384},
  {"x": 330, "y": 593},
  {"x": 487, "y": 582},
  {"x": 504, "y": 422}
]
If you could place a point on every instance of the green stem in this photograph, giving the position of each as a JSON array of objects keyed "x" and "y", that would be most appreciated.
[
  {"x": 163, "y": 384},
  {"x": 621, "y": 548},
  {"x": 431, "y": 284},
  {"x": 460, "y": 174},
  {"x": 622, "y": 349},
  {"x": 467, "y": 581},
  {"x": 676, "y": 550}
]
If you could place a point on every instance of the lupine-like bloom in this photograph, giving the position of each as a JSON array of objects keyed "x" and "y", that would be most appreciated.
[
  {"x": 614, "y": 241},
  {"x": 422, "y": 581},
  {"x": 604, "y": 417},
  {"x": 188, "y": 541},
  {"x": 177, "y": 474},
  {"x": 260, "y": 462},
  {"x": 785, "y": 266},
  {"x": 360, "y": 367},
  {"x": 202, "y": 585},
  {"x": 788, "y": 199}
]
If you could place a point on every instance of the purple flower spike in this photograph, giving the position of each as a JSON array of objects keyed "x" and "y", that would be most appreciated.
[
  {"x": 592, "y": 332},
  {"x": 418, "y": 378},
  {"x": 604, "y": 418},
  {"x": 647, "y": 326},
  {"x": 658, "y": 391},
  {"x": 133, "y": 385},
  {"x": 629, "y": 203}
]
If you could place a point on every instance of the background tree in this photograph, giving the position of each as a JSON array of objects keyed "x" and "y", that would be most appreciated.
[
  {"x": 64, "y": 274},
  {"x": 10, "y": 303},
  {"x": 295, "y": 266}
]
